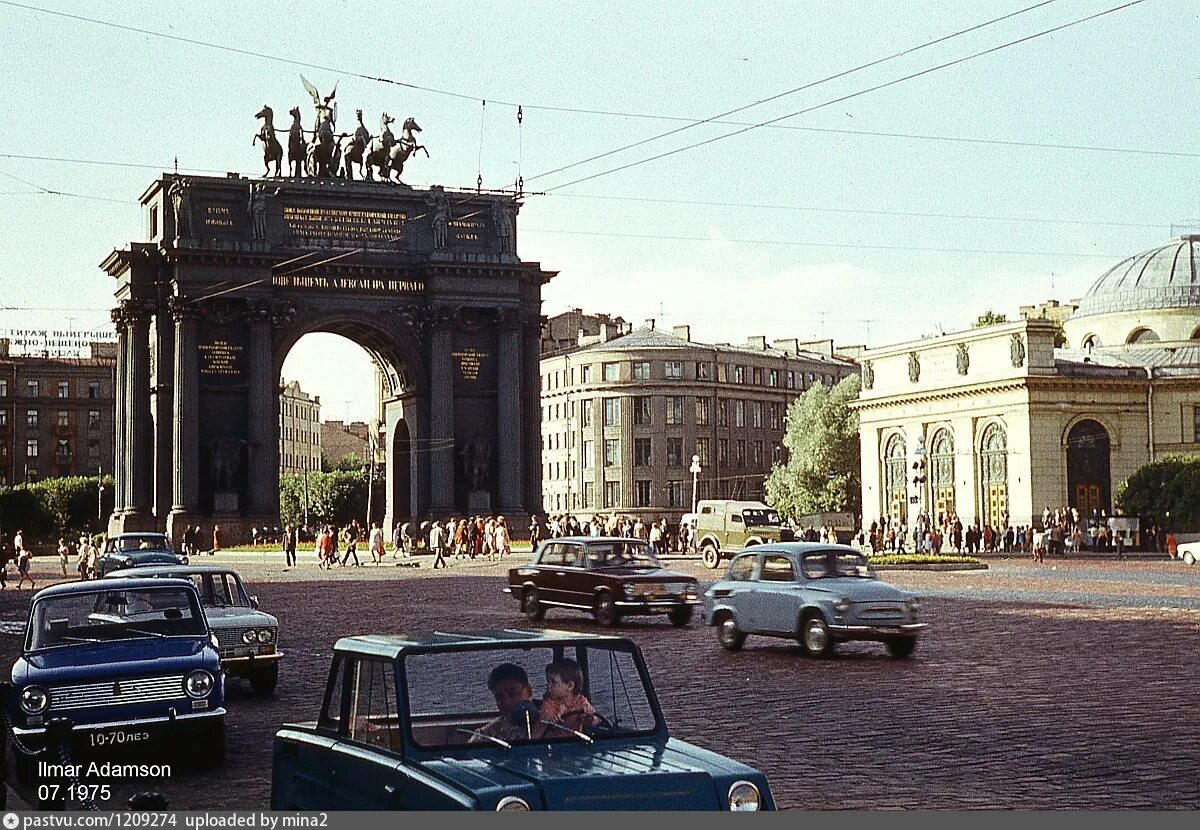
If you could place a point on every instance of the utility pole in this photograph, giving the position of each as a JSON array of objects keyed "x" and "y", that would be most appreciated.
[{"x": 100, "y": 494}]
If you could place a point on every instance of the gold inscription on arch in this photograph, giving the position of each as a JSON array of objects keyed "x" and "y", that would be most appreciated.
[
  {"x": 346, "y": 223},
  {"x": 326, "y": 283}
]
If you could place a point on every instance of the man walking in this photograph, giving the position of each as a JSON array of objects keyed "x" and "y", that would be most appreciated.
[
  {"x": 437, "y": 544},
  {"x": 350, "y": 535},
  {"x": 289, "y": 546},
  {"x": 375, "y": 543}
]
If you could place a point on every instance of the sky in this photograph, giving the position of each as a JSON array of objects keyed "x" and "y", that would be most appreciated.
[{"x": 889, "y": 215}]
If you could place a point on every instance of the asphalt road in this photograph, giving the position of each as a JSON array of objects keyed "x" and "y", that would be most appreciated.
[{"x": 1065, "y": 685}]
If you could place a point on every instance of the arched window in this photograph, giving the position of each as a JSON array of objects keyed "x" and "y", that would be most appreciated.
[
  {"x": 895, "y": 479},
  {"x": 993, "y": 475},
  {"x": 941, "y": 472},
  {"x": 1092, "y": 341},
  {"x": 1196, "y": 333},
  {"x": 1142, "y": 335}
]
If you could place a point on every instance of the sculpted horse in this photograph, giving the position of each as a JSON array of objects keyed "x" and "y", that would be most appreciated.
[
  {"x": 378, "y": 150},
  {"x": 272, "y": 149},
  {"x": 402, "y": 149},
  {"x": 353, "y": 154},
  {"x": 297, "y": 147}
]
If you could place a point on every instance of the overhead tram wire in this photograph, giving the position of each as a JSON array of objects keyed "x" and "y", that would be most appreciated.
[
  {"x": 53, "y": 192},
  {"x": 801, "y": 88},
  {"x": 841, "y": 98}
]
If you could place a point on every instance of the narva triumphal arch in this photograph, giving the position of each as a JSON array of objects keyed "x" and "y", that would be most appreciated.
[{"x": 234, "y": 271}]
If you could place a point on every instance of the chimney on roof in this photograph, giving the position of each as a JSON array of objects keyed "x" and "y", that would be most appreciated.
[
  {"x": 791, "y": 346},
  {"x": 683, "y": 332},
  {"x": 650, "y": 324},
  {"x": 757, "y": 342}
]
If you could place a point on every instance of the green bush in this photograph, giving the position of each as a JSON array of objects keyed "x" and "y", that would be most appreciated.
[
  {"x": 1166, "y": 492},
  {"x": 333, "y": 498},
  {"x": 921, "y": 559},
  {"x": 55, "y": 506}
]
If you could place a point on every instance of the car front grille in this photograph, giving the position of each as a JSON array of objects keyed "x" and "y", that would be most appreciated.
[
  {"x": 664, "y": 588},
  {"x": 228, "y": 638},
  {"x": 126, "y": 692},
  {"x": 875, "y": 612}
]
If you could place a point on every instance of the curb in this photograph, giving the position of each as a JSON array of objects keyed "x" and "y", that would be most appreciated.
[{"x": 934, "y": 566}]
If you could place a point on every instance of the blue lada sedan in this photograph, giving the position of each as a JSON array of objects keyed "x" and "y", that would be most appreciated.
[
  {"x": 505, "y": 720},
  {"x": 817, "y": 594},
  {"x": 127, "y": 663}
]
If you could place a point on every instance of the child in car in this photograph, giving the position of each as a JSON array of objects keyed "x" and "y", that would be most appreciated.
[{"x": 563, "y": 704}]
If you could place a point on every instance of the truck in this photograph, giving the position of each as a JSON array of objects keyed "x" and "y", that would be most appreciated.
[{"x": 724, "y": 527}]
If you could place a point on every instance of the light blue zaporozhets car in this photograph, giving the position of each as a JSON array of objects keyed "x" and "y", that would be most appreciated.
[{"x": 817, "y": 594}]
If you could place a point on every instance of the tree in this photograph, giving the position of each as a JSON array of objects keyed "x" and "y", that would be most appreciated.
[
  {"x": 822, "y": 469},
  {"x": 1166, "y": 492},
  {"x": 333, "y": 498},
  {"x": 989, "y": 318},
  {"x": 350, "y": 462}
]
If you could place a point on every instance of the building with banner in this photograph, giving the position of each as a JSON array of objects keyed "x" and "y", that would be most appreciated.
[
  {"x": 1000, "y": 424},
  {"x": 56, "y": 413}
]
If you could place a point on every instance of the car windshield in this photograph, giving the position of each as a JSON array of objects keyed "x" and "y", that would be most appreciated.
[
  {"x": 451, "y": 705},
  {"x": 621, "y": 555},
  {"x": 220, "y": 590},
  {"x": 130, "y": 543},
  {"x": 760, "y": 517},
  {"x": 822, "y": 563},
  {"x": 114, "y": 614}
]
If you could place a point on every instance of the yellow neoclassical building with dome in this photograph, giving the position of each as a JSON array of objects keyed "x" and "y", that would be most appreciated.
[{"x": 1001, "y": 424}]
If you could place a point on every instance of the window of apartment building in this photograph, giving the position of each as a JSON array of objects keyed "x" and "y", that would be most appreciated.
[
  {"x": 641, "y": 452},
  {"x": 589, "y": 454},
  {"x": 641, "y": 370},
  {"x": 612, "y": 494},
  {"x": 739, "y": 454},
  {"x": 33, "y": 388},
  {"x": 641, "y": 493},
  {"x": 791, "y": 380},
  {"x": 3, "y": 387},
  {"x": 773, "y": 378},
  {"x": 3, "y": 417},
  {"x": 610, "y": 372},
  {"x": 722, "y": 412},
  {"x": 1195, "y": 424},
  {"x": 723, "y": 452},
  {"x": 585, "y": 373},
  {"x": 31, "y": 418},
  {"x": 675, "y": 493},
  {"x": 702, "y": 451},
  {"x": 722, "y": 372},
  {"x": 612, "y": 412},
  {"x": 642, "y": 410},
  {"x": 31, "y": 448},
  {"x": 673, "y": 370},
  {"x": 64, "y": 389},
  {"x": 64, "y": 448},
  {"x": 758, "y": 453},
  {"x": 758, "y": 376},
  {"x": 64, "y": 418},
  {"x": 739, "y": 413},
  {"x": 674, "y": 452},
  {"x": 776, "y": 421},
  {"x": 589, "y": 494},
  {"x": 703, "y": 370},
  {"x": 756, "y": 414},
  {"x": 585, "y": 412},
  {"x": 612, "y": 452},
  {"x": 703, "y": 411},
  {"x": 739, "y": 374},
  {"x": 674, "y": 410}
]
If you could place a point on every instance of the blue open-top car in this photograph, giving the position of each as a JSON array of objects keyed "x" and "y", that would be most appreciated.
[
  {"x": 127, "y": 662},
  {"x": 448, "y": 721}
]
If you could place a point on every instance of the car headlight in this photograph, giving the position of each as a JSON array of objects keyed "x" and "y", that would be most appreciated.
[
  {"x": 511, "y": 803},
  {"x": 842, "y": 605},
  {"x": 183, "y": 560},
  {"x": 249, "y": 636},
  {"x": 34, "y": 700},
  {"x": 266, "y": 635},
  {"x": 198, "y": 683},
  {"x": 744, "y": 797},
  {"x": 630, "y": 589},
  {"x": 127, "y": 562},
  {"x": 914, "y": 604}
]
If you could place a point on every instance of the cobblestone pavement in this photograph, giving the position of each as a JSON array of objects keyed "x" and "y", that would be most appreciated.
[{"x": 1065, "y": 685}]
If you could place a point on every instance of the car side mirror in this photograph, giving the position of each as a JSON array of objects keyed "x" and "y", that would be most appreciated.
[{"x": 254, "y": 602}]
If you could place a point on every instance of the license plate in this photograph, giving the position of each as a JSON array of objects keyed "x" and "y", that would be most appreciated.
[{"x": 118, "y": 737}]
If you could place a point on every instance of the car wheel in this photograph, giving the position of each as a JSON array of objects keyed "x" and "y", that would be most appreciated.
[
  {"x": 729, "y": 635},
  {"x": 263, "y": 681},
  {"x": 605, "y": 611},
  {"x": 681, "y": 616},
  {"x": 531, "y": 605},
  {"x": 1189, "y": 558},
  {"x": 902, "y": 646},
  {"x": 815, "y": 637},
  {"x": 710, "y": 556}
]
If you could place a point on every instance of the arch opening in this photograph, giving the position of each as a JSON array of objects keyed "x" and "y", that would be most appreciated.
[
  {"x": 1142, "y": 335},
  {"x": 993, "y": 474},
  {"x": 941, "y": 473},
  {"x": 895, "y": 477},
  {"x": 1089, "y": 488}
]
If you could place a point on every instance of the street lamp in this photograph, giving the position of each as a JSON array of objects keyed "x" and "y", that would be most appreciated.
[
  {"x": 372, "y": 435},
  {"x": 695, "y": 470}
]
